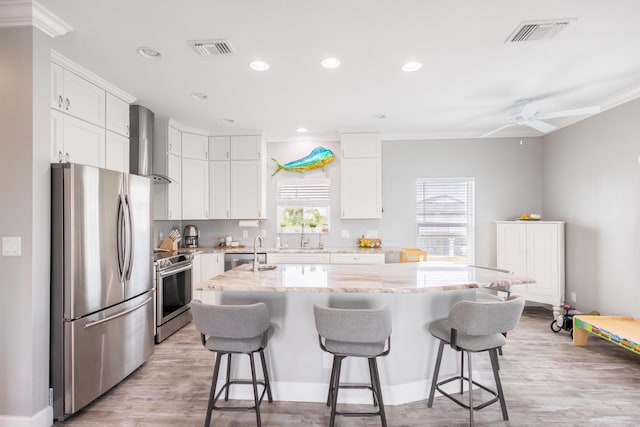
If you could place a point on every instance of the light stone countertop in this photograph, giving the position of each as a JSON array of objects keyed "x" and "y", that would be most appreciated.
[
  {"x": 376, "y": 278},
  {"x": 291, "y": 250}
]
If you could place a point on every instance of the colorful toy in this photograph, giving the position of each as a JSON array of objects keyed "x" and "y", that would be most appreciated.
[
  {"x": 563, "y": 321},
  {"x": 318, "y": 158}
]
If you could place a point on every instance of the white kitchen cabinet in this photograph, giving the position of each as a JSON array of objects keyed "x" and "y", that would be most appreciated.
[
  {"x": 219, "y": 190},
  {"x": 247, "y": 183},
  {"x": 195, "y": 146},
  {"x": 174, "y": 141},
  {"x": 167, "y": 160},
  {"x": 361, "y": 176},
  {"x": 357, "y": 258},
  {"x": 249, "y": 147},
  {"x": 360, "y": 145},
  {"x": 117, "y": 152},
  {"x": 117, "y": 115},
  {"x": 536, "y": 250},
  {"x": 361, "y": 188},
  {"x": 76, "y": 141},
  {"x": 219, "y": 148},
  {"x": 76, "y": 96},
  {"x": 298, "y": 258},
  {"x": 174, "y": 189},
  {"x": 195, "y": 188},
  {"x": 205, "y": 266}
]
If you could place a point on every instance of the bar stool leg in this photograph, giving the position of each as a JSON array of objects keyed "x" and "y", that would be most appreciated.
[
  {"x": 212, "y": 393},
  {"x": 226, "y": 392},
  {"x": 495, "y": 365},
  {"x": 331, "y": 381},
  {"x": 377, "y": 389},
  {"x": 266, "y": 376},
  {"x": 256, "y": 398},
  {"x": 334, "y": 397},
  {"x": 462, "y": 372},
  {"x": 436, "y": 371},
  {"x": 373, "y": 391},
  {"x": 470, "y": 391}
]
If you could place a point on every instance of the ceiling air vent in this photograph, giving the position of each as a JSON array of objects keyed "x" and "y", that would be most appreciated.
[
  {"x": 536, "y": 31},
  {"x": 211, "y": 47}
]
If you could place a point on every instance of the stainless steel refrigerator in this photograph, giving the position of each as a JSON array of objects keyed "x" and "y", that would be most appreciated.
[{"x": 102, "y": 296}]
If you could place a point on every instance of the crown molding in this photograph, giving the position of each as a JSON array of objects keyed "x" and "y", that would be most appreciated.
[{"x": 27, "y": 13}]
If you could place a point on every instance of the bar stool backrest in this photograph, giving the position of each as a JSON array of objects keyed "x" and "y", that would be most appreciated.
[
  {"x": 231, "y": 321},
  {"x": 487, "y": 317},
  {"x": 353, "y": 325}
]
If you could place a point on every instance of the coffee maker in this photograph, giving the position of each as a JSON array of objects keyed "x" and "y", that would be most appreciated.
[{"x": 190, "y": 236}]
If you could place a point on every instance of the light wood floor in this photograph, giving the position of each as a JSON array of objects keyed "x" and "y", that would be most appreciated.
[{"x": 547, "y": 382}]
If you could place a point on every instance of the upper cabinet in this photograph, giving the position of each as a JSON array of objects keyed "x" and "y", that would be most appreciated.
[
  {"x": 219, "y": 147},
  {"x": 361, "y": 176},
  {"x": 237, "y": 183},
  {"x": 117, "y": 115},
  {"x": 76, "y": 96},
  {"x": 195, "y": 146},
  {"x": 167, "y": 199},
  {"x": 195, "y": 176},
  {"x": 89, "y": 117}
]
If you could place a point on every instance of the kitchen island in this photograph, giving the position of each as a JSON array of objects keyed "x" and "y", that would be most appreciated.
[{"x": 416, "y": 293}]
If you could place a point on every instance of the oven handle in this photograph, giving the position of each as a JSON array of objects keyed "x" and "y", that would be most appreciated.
[
  {"x": 115, "y": 316},
  {"x": 171, "y": 271}
]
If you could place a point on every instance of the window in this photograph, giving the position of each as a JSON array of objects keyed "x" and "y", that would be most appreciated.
[
  {"x": 303, "y": 201},
  {"x": 445, "y": 218}
]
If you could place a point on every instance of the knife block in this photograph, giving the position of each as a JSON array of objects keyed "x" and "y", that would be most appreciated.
[{"x": 169, "y": 244}]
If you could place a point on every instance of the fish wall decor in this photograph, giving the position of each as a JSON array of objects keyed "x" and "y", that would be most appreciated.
[{"x": 318, "y": 158}]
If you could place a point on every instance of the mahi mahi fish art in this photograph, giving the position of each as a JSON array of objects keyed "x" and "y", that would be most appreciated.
[{"x": 318, "y": 158}]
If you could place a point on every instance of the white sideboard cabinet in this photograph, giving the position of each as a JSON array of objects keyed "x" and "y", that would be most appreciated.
[{"x": 534, "y": 249}]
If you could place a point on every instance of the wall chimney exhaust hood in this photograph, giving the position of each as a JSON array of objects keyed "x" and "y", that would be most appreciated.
[{"x": 141, "y": 144}]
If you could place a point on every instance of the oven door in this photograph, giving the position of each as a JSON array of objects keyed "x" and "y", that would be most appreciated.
[{"x": 173, "y": 292}]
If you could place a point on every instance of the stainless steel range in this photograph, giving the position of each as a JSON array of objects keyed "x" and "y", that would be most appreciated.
[{"x": 173, "y": 292}]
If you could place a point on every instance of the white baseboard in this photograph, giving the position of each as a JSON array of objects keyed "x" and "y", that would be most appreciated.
[{"x": 44, "y": 418}]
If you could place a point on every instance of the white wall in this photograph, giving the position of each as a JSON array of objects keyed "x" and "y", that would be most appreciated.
[
  {"x": 591, "y": 179},
  {"x": 24, "y": 197}
]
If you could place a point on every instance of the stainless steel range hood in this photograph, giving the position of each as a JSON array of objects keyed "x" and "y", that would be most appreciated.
[{"x": 141, "y": 144}]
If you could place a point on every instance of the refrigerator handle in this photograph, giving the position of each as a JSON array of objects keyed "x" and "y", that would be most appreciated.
[
  {"x": 115, "y": 316},
  {"x": 129, "y": 238},
  {"x": 120, "y": 239}
]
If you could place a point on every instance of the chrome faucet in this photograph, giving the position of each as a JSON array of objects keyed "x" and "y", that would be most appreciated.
[
  {"x": 255, "y": 252},
  {"x": 302, "y": 241}
]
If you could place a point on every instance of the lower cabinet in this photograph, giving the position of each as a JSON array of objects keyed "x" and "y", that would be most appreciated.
[
  {"x": 357, "y": 258},
  {"x": 298, "y": 258},
  {"x": 206, "y": 266}
]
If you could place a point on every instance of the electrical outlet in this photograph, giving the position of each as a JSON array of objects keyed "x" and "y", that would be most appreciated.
[
  {"x": 245, "y": 233},
  {"x": 345, "y": 234},
  {"x": 573, "y": 297},
  {"x": 327, "y": 360}
]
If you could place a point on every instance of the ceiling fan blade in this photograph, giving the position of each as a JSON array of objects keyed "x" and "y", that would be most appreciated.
[
  {"x": 497, "y": 130},
  {"x": 540, "y": 125},
  {"x": 566, "y": 113}
]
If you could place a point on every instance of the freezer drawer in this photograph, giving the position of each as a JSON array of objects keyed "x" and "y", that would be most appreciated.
[{"x": 104, "y": 348}]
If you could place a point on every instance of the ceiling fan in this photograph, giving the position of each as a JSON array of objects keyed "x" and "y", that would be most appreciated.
[{"x": 525, "y": 112}]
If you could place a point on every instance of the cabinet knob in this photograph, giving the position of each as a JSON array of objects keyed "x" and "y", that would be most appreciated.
[{"x": 68, "y": 104}]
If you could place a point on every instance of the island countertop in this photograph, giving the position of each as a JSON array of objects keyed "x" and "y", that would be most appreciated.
[{"x": 377, "y": 278}]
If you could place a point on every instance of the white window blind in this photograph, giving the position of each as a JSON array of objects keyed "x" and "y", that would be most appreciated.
[
  {"x": 445, "y": 218},
  {"x": 303, "y": 191},
  {"x": 304, "y": 202}
]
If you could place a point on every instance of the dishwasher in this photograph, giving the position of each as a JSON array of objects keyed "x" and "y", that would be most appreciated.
[{"x": 232, "y": 260}]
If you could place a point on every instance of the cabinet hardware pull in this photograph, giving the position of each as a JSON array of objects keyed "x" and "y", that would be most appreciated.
[
  {"x": 67, "y": 157},
  {"x": 206, "y": 155},
  {"x": 59, "y": 156},
  {"x": 127, "y": 130},
  {"x": 227, "y": 155},
  {"x": 59, "y": 101},
  {"x": 68, "y": 104}
]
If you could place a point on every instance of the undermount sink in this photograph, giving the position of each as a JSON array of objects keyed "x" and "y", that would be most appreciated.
[{"x": 266, "y": 267}]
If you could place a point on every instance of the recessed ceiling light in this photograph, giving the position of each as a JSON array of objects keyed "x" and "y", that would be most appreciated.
[
  {"x": 259, "y": 65},
  {"x": 199, "y": 96},
  {"x": 302, "y": 130},
  {"x": 330, "y": 63},
  {"x": 228, "y": 121},
  {"x": 411, "y": 66},
  {"x": 380, "y": 116},
  {"x": 149, "y": 53}
]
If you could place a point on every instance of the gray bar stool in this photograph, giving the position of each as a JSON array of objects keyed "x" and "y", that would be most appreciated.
[
  {"x": 475, "y": 327},
  {"x": 234, "y": 329},
  {"x": 354, "y": 333}
]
